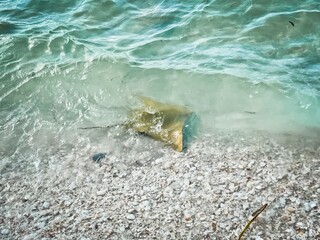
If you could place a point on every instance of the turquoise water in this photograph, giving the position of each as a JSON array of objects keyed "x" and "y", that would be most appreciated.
[{"x": 240, "y": 65}]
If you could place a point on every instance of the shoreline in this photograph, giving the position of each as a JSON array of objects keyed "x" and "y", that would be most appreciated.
[{"x": 208, "y": 192}]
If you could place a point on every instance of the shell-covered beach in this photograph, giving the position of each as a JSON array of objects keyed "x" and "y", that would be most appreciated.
[{"x": 208, "y": 192}]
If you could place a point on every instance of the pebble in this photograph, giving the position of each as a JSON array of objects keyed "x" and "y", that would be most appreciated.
[
  {"x": 146, "y": 205},
  {"x": 257, "y": 238},
  {"x": 30, "y": 236},
  {"x": 67, "y": 203},
  {"x": 300, "y": 225},
  {"x": 46, "y": 205},
  {"x": 132, "y": 210},
  {"x": 170, "y": 210},
  {"x": 5, "y": 231},
  {"x": 313, "y": 204},
  {"x": 167, "y": 164},
  {"x": 130, "y": 217},
  {"x": 291, "y": 209},
  {"x": 102, "y": 192},
  {"x": 231, "y": 187},
  {"x": 27, "y": 197},
  {"x": 98, "y": 157},
  {"x": 85, "y": 238},
  {"x": 23, "y": 226},
  {"x": 40, "y": 225},
  {"x": 187, "y": 215},
  {"x": 201, "y": 216},
  {"x": 85, "y": 214},
  {"x": 183, "y": 194},
  {"x": 158, "y": 161},
  {"x": 309, "y": 205},
  {"x": 282, "y": 202}
]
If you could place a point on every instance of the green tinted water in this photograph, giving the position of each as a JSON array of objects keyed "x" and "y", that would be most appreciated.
[{"x": 239, "y": 66}]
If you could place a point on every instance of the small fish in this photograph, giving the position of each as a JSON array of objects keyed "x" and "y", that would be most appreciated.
[
  {"x": 291, "y": 23},
  {"x": 250, "y": 112}
]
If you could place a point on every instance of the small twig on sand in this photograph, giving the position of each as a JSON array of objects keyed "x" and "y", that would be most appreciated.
[{"x": 255, "y": 215}]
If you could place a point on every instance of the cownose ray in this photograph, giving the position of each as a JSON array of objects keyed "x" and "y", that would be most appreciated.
[{"x": 171, "y": 124}]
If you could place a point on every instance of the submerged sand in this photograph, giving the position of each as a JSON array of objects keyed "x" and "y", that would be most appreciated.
[{"x": 143, "y": 190}]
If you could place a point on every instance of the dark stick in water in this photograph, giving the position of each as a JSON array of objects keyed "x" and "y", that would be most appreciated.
[{"x": 96, "y": 127}]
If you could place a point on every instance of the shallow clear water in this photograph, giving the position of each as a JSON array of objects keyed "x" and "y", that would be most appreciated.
[{"x": 240, "y": 65}]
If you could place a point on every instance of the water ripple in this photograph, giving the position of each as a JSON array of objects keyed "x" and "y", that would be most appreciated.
[{"x": 78, "y": 62}]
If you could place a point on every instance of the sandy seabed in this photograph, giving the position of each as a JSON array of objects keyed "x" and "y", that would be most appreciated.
[{"x": 143, "y": 190}]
